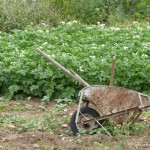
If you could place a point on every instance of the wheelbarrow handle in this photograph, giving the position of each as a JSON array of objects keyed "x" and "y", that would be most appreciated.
[{"x": 71, "y": 73}]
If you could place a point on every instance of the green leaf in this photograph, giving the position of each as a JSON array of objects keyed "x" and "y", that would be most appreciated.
[{"x": 13, "y": 88}]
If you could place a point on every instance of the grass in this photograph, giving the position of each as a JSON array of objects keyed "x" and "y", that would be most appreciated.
[
  {"x": 26, "y": 117},
  {"x": 47, "y": 121}
]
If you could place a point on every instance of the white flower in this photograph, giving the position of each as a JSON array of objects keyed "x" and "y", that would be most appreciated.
[
  {"x": 144, "y": 56},
  {"x": 71, "y": 22},
  {"x": 136, "y": 37},
  {"x": 81, "y": 68},
  {"x": 136, "y": 23},
  {"x": 44, "y": 43},
  {"x": 145, "y": 44},
  {"x": 75, "y": 21},
  {"x": 13, "y": 62},
  {"x": 62, "y": 22},
  {"x": 90, "y": 27},
  {"x": 64, "y": 44},
  {"x": 93, "y": 57},
  {"x": 40, "y": 31},
  {"x": 115, "y": 28},
  {"x": 47, "y": 31},
  {"x": 103, "y": 45},
  {"x": 100, "y": 25},
  {"x": 125, "y": 47}
]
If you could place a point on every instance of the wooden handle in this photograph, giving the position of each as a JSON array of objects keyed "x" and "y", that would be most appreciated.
[{"x": 73, "y": 75}]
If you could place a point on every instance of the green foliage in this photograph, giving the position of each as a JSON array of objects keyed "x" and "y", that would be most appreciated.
[
  {"x": 44, "y": 101},
  {"x": 64, "y": 101},
  {"x": 2, "y": 107},
  {"x": 50, "y": 121},
  {"x": 18, "y": 107},
  {"x": 110, "y": 146},
  {"x": 116, "y": 129},
  {"x": 46, "y": 121},
  {"x": 88, "y": 50},
  {"x": 146, "y": 114},
  {"x": 18, "y": 14}
]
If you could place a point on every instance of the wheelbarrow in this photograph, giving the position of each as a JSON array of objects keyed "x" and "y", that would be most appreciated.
[{"x": 98, "y": 103}]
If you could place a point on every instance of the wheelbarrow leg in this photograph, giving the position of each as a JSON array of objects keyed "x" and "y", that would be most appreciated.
[
  {"x": 136, "y": 117},
  {"x": 79, "y": 106},
  {"x": 125, "y": 121},
  {"x": 135, "y": 112}
]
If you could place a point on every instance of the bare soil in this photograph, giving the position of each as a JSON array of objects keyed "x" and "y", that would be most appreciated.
[{"x": 32, "y": 139}]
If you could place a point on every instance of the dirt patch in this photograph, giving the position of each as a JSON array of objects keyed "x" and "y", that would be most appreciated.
[
  {"x": 59, "y": 137},
  {"x": 39, "y": 140},
  {"x": 139, "y": 142}
]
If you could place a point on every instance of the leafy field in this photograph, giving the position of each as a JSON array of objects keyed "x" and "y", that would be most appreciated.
[
  {"x": 86, "y": 49},
  {"x": 26, "y": 125}
]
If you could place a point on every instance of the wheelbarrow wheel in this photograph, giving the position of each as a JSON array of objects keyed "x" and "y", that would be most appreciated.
[{"x": 85, "y": 114}]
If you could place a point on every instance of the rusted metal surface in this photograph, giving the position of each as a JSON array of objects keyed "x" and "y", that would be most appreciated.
[
  {"x": 109, "y": 100},
  {"x": 145, "y": 100}
]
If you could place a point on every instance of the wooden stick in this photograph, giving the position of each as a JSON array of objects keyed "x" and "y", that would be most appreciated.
[{"x": 112, "y": 71}]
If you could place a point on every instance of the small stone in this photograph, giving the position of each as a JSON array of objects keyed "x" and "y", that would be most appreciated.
[
  {"x": 36, "y": 146},
  {"x": 1, "y": 147},
  {"x": 11, "y": 126},
  {"x": 143, "y": 118},
  {"x": 65, "y": 125},
  {"x": 70, "y": 114},
  {"x": 65, "y": 110},
  {"x": 5, "y": 140},
  {"x": 63, "y": 139}
]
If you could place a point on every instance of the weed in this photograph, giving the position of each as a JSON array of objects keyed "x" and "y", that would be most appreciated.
[
  {"x": 26, "y": 126},
  {"x": 115, "y": 129},
  {"x": 98, "y": 145},
  {"x": 44, "y": 101},
  {"x": 65, "y": 101},
  {"x": 146, "y": 114},
  {"x": 1, "y": 120},
  {"x": 18, "y": 107},
  {"x": 50, "y": 121},
  {"x": 3, "y": 107}
]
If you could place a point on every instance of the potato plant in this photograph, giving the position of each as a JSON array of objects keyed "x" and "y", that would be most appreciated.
[{"x": 86, "y": 49}]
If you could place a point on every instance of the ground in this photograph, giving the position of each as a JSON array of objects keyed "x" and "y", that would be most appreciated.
[{"x": 26, "y": 125}]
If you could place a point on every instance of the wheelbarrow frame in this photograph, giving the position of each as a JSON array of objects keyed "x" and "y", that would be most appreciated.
[
  {"x": 128, "y": 111},
  {"x": 137, "y": 108},
  {"x": 136, "y": 99}
]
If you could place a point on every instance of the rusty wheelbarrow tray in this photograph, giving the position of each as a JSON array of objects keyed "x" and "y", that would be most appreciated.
[
  {"x": 107, "y": 102},
  {"x": 116, "y": 103}
]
